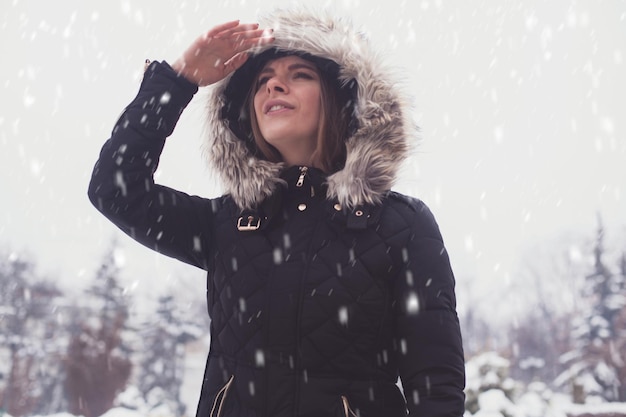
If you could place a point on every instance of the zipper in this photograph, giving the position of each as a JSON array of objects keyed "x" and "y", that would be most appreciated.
[
  {"x": 220, "y": 398},
  {"x": 303, "y": 171},
  {"x": 298, "y": 371},
  {"x": 296, "y": 365},
  {"x": 346, "y": 407}
]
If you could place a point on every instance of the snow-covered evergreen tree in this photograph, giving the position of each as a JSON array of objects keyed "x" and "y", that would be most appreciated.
[
  {"x": 14, "y": 311},
  {"x": 619, "y": 345},
  {"x": 29, "y": 333},
  {"x": 30, "y": 340},
  {"x": 162, "y": 365},
  {"x": 596, "y": 364},
  {"x": 98, "y": 360}
]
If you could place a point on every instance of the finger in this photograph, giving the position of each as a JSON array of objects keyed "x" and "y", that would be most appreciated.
[
  {"x": 236, "y": 29},
  {"x": 246, "y": 26},
  {"x": 222, "y": 27},
  {"x": 256, "y": 33},
  {"x": 255, "y": 42},
  {"x": 251, "y": 39}
]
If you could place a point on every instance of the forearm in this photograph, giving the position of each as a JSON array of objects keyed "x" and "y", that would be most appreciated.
[{"x": 122, "y": 185}]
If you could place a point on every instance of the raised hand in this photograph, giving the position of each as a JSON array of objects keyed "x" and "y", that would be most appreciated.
[{"x": 220, "y": 51}]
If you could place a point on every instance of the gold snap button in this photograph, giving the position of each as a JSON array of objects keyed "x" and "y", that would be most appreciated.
[
  {"x": 337, "y": 207},
  {"x": 302, "y": 207},
  {"x": 358, "y": 213}
]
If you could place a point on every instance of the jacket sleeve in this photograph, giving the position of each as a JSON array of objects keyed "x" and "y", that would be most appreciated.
[
  {"x": 431, "y": 361},
  {"x": 122, "y": 185}
]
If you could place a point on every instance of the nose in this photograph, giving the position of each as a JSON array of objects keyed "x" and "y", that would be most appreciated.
[{"x": 276, "y": 84}]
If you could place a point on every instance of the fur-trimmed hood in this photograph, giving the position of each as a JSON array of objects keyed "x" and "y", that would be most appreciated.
[{"x": 379, "y": 143}]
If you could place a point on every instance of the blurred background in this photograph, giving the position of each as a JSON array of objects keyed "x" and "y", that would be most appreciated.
[{"x": 522, "y": 158}]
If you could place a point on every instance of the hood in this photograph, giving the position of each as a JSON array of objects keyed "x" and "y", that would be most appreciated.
[{"x": 382, "y": 131}]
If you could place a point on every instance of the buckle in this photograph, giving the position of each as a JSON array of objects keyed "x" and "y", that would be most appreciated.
[{"x": 248, "y": 224}]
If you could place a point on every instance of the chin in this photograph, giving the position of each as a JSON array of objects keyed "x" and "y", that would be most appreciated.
[{"x": 278, "y": 138}]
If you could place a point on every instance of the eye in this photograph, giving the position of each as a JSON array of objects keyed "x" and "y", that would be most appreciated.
[
  {"x": 304, "y": 75},
  {"x": 261, "y": 81}
]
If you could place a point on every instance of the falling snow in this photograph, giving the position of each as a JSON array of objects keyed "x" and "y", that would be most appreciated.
[
  {"x": 412, "y": 304},
  {"x": 521, "y": 116},
  {"x": 343, "y": 316},
  {"x": 165, "y": 98}
]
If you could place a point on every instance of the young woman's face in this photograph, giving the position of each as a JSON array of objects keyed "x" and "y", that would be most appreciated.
[{"x": 287, "y": 104}]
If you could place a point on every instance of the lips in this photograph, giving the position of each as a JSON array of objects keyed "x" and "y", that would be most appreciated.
[{"x": 276, "y": 105}]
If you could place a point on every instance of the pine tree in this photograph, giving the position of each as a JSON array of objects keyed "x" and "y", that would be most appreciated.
[
  {"x": 596, "y": 364},
  {"x": 98, "y": 360},
  {"x": 162, "y": 366},
  {"x": 31, "y": 338},
  {"x": 14, "y": 301},
  {"x": 619, "y": 347},
  {"x": 49, "y": 327}
]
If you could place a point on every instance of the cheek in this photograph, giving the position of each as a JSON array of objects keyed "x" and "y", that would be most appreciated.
[
  {"x": 317, "y": 99},
  {"x": 258, "y": 103},
  {"x": 312, "y": 98}
]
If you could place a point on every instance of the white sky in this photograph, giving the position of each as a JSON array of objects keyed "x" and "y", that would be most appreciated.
[{"x": 522, "y": 107}]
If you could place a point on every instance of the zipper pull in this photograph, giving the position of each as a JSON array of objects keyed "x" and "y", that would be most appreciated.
[{"x": 303, "y": 171}]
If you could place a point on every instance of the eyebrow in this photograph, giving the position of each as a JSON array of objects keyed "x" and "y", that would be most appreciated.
[{"x": 295, "y": 66}]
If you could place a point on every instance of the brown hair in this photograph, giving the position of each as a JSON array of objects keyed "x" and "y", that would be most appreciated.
[{"x": 330, "y": 149}]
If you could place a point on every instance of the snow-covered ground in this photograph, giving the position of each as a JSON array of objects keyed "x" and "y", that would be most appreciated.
[{"x": 494, "y": 403}]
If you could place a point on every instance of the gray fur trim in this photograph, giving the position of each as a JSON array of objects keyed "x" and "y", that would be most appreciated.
[{"x": 375, "y": 151}]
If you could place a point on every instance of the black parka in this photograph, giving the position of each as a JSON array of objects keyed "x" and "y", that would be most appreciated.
[{"x": 317, "y": 305}]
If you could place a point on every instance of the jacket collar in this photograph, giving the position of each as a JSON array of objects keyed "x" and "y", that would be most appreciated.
[{"x": 306, "y": 183}]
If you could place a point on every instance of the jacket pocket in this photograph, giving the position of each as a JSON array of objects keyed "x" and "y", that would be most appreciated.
[
  {"x": 220, "y": 398},
  {"x": 346, "y": 407}
]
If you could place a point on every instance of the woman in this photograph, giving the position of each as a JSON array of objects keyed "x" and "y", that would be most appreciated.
[{"x": 323, "y": 285}]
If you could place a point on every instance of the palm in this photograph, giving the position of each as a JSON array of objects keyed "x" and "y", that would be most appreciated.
[{"x": 219, "y": 52}]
